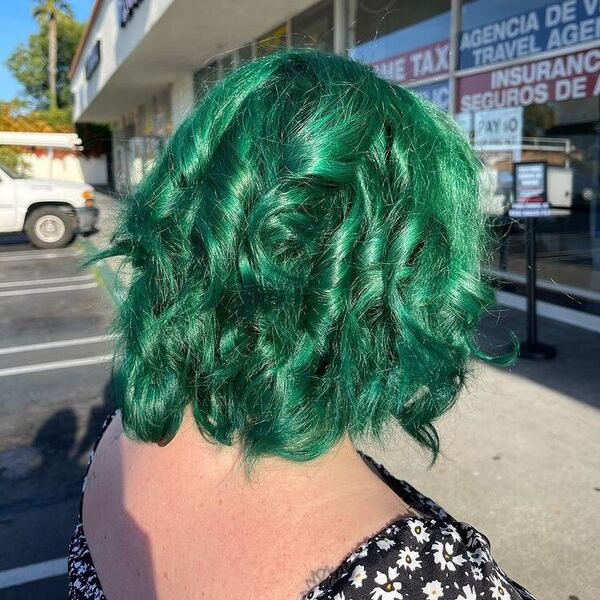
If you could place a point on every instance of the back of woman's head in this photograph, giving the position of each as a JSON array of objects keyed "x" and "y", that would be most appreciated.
[{"x": 305, "y": 263}]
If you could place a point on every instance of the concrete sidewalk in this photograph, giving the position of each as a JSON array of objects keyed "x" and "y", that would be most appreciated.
[{"x": 520, "y": 455}]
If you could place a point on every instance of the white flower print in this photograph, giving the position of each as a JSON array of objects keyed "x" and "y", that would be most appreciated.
[
  {"x": 316, "y": 593},
  {"x": 477, "y": 574},
  {"x": 418, "y": 529},
  {"x": 340, "y": 596},
  {"x": 390, "y": 589},
  {"x": 385, "y": 543},
  {"x": 408, "y": 559},
  {"x": 358, "y": 576},
  {"x": 478, "y": 556},
  {"x": 468, "y": 593},
  {"x": 499, "y": 592},
  {"x": 451, "y": 531},
  {"x": 360, "y": 552},
  {"x": 433, "y": 590},
  {"x": 443, "y": 556}
]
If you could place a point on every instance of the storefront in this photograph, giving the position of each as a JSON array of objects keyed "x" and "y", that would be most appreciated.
[{"x": 520, "y": 76}]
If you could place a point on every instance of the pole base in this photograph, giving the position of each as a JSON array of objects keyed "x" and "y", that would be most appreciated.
[{"x": 537, "y": 351}]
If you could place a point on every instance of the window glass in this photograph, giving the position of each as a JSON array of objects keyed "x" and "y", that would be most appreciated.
[
  {"x": 204, "y": 78},
  {"x": 314, "y": 27},
  {"x": 405, "y": 46},
  {"x": 494, "y": 32},
  {"x": 271, "y": 41}
]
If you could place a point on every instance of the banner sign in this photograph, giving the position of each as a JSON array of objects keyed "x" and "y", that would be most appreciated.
[
  {"x": 566, "y": 77},
  {"x": 438, "y": 93},
  {"x": 499, "y": 37},
  {"x": 93, "y": 60},
  {"x": 499, "y": 130},
  {"x": 126, "y": 10},
  {"x": 410, "y": 54},
  {"x": 530, "y": 190}
]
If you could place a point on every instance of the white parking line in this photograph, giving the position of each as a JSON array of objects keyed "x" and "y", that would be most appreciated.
[
  {"x": 56, "y": 365},
  {"x": 47, "y": 290},
  {"x": 34, "y": 572},
  {"x": 57, "y": 344},
  {"x": 27, "y": 282},
  {"x": 32, "y": 252},
  {"x": 35, "y": 255}
]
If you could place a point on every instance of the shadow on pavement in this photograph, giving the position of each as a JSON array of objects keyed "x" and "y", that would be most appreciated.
[{"x": 574, "y": 372}]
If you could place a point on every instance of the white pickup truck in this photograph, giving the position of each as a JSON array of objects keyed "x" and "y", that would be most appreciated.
[{"x": 50, "y": 211}]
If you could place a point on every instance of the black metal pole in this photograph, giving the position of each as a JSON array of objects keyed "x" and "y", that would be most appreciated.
[
  {"x": 531, "y": 283},
  {"x": 531, "y": 348}
]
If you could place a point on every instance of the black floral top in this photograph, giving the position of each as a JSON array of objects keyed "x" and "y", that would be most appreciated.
[{"x": 430, "y": 557}]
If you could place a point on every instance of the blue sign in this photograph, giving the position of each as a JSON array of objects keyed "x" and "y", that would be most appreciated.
[
  {"x": 127, "y": 8},
  {"x": 438, "y": 93},
  {"x": 495, "y": 32},
  {"x": 93, "y": 60}
]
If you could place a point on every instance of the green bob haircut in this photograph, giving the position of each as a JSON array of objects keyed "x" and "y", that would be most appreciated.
[{"x": 306, "y": 264}]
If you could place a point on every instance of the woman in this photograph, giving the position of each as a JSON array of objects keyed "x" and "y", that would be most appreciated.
[{"x": 305, "y": 273}]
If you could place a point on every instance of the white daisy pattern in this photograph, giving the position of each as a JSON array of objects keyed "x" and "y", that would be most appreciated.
[
  {"x": 418, "y": 529},
  {"x": 385, "y": 543},
  {"x": 431, "y": 556},
  {"x": 408, "y": 559},
  {"x": 358, "y": 576},
  {"x": 433, "y": 590},
  {"x": 468, "y": 593},
  {"x": 498, "y": 589},
  {"x": 478, "y": 556},
  {"x": 387, "y": 586},
  {"x": 444, "y": 556}
]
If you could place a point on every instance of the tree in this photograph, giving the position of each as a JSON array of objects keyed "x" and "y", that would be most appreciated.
[
  {"x": 48, "y": 11},
  {"x": 30, "y": 62}
]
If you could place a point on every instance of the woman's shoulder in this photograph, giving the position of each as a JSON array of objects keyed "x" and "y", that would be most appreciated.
[{"x": 430, "y": 557}]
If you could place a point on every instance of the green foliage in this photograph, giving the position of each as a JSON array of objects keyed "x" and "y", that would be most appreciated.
[
  {"x": 306, "y": 264},
  {"x": 12, "y": 157},
  {"x": 29, "y": 62}
]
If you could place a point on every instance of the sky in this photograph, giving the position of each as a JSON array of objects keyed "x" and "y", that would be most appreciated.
[{"x": 16, "y": 24}]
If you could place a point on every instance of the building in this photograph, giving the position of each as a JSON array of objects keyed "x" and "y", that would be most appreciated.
[{"x": 521, "y": 76}]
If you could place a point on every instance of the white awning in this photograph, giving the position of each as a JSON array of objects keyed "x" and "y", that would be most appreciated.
[{"x": 42, "y": 140}]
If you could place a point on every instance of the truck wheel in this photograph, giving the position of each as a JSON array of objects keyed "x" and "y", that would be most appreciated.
[{"x": 49, "y": 227}]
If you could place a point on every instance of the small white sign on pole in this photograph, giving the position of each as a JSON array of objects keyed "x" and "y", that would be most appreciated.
[
  {"x": 499, "y": 130},
  {"x": 465, "y": 120}
]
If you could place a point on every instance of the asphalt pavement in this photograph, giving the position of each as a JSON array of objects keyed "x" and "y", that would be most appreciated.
[{"x": 54, "y": 394}]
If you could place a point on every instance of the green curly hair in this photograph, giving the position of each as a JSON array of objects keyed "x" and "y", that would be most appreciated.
[{"x": 306, "y": 264}]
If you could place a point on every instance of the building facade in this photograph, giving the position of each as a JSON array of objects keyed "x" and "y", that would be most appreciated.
[{"x": 521, "y": 76}]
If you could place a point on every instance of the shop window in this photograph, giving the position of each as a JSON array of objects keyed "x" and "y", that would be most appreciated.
[
  {"x": 406, "y": 46},
  {"x": 377, "y": 18},
  {"x": 205, "y": 78},
  {"x": 245, "y": 52},
  {"x": 496, "y": 32},
  {"x": 314, "y": 27},
  {"x": 275, "y": 39}
]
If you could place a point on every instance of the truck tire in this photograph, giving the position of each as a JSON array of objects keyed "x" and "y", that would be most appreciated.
[{"x": 50, "y": 227}]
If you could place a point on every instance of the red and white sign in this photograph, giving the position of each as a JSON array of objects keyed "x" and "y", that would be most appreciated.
[
  {"x": 565, "y": 77},
  {"x": 416, "y": 64}
]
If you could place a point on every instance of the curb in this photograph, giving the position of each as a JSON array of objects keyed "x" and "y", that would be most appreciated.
[{"x": 105, "y": 276}]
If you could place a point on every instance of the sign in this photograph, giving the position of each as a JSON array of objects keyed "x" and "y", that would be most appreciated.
[
  {"x": 127, "y": 9},
  {"x": 465, "y": 120},
  {"x": 497, "y": 36},
  {"x": 93, "y": 60},
  {"x": 566, "y": 77},
  {"x": 438, "y": 93},
  {"x": 500, "y": 130},
  {"x": 530, "y": 189},
  {"x": 410, "y": 54}
]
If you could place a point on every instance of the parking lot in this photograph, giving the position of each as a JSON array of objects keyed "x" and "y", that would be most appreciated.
[{"x": 54, "y": 394}]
